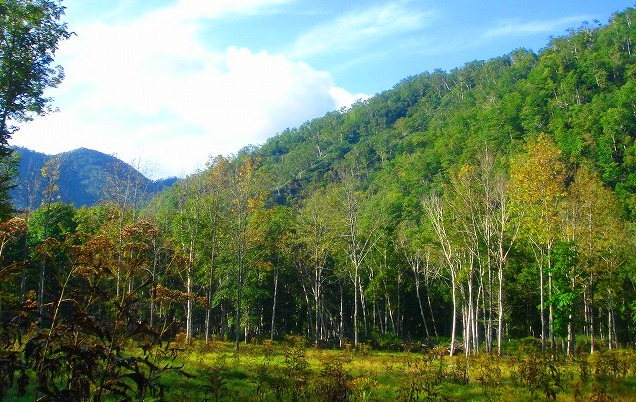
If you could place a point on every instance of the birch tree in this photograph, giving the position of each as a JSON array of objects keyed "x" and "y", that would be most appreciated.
[
  {"x": 215, "y": 206},
  {"x": 246, "y": 196},
  {"x": 358, "y": 236},
  {"x": 315, "y": 234},
  {"x": 592, "y": 223},
  {"x": 187, "y": 228},
  {"x": 437, "y": 214},
  {"x": 537, "y": 191}
]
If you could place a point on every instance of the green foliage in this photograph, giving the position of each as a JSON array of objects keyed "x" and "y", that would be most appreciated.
[
  {"x": 90, "y": 343},
  {"x": 489, "y": 374},
  {"x": 292, "y": 382},
  {"x": 424, "y": 378},
  {"x": 56, "y": 221},
  {"x": 8, "y": 181},
  {"x": 333, "y": 382},
  {"x": 540, "y": 373},
  {"x": 566, "y": 284},
  {"x": 31, "y": 33},
  {"x": 86, "y": 178},
  {"x": 25, "y": 69}
]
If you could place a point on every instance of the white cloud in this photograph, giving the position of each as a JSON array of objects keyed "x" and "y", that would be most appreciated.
[
  {"x": 345, "y": 99},
  {"x": 150, "y": 90},
  {"x": 361, "y": 27}
]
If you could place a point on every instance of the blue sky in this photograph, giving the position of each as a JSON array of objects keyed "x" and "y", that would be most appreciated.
[{"x": 165, "y": 84}]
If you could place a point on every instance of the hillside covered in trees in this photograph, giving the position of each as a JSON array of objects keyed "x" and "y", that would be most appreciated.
[
  {"x": 489, "y": 202},
  {"x": 492, "y": 202},
  {"x": 82, "y": 177}
]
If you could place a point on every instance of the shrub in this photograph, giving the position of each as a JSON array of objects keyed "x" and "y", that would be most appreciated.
[
  {"x": 333, "y": 383},
  {"x": 540, "y": 373}
]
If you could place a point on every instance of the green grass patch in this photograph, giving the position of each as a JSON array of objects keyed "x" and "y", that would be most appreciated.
[
  {"x": 291, "y": 371},
  {"x": 287, "y": 371}
]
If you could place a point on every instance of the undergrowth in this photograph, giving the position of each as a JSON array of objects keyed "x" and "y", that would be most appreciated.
[{"x": 292, "y": 371}]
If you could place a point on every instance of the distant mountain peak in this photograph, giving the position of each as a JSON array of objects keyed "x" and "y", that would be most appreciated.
[{"x": 83, "y": 177}]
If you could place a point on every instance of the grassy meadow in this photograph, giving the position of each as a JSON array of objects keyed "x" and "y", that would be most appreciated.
[{"x": 291, "y": 370}]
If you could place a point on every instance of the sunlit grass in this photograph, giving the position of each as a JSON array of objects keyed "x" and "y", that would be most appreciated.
[
  {"x": 290, "y": 370},
  {"x": 259, "y": 371}
]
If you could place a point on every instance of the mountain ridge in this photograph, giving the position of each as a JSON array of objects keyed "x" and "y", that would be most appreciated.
[
  {"x": 579, "y": 89},
  {"x": 81, "y": 176}
]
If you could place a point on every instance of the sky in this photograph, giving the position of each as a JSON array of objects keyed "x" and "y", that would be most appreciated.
[{"x": 166, "y": 84}]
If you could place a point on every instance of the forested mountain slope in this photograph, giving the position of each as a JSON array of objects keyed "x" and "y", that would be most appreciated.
[
  {"x": 580, "y": 90},
  {"x": 476, "y": 194},
  {"x": 81, "y": 177}
]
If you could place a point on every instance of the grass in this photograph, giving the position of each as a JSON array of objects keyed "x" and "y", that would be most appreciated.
[{"x": 290, "y": 370}]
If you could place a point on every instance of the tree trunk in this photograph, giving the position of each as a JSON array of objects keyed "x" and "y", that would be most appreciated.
[
  {"x": 239, "y": 291},
  {"x": 153, "y": 290},
  {"x": 470, "y": 322},
  {"x": 430, "y": 309},
  {"x": 309, "y": 312},
  {"x": 610, "y": 324},
  {"x": 571, "y": 328},
  {"x": 356, "y": 278},
  {"x": 41, "y": 287},
  {"x": 272, "y": 328},
  {"x": 317, "y": 281},
  {"x": 399, "y": 316},
  {"x": 591, "y": 312},
  {"x": 466, "y": 327},
  {"x": 500, "y": 311},
  {"x": 542, "y": 307},
  {"x": 341, "y": 314},
  {"x": 419, "y": 302},
  {"x": 363, "y": 306},
  {"x": 189, "y": 292},
  {"x": 454, "y": 325},
  {"x": 491, "y": 311},
  {"x": 551, "y": 314},
  {"x": 189, "y": 306}
]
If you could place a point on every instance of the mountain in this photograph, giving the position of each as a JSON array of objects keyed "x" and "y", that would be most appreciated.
[
  {"x": 580, "y": 90},
  {"x": 83, "y": 177}
]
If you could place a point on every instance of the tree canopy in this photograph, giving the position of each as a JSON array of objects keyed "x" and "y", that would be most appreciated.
[{"x": 30, "y": 33}]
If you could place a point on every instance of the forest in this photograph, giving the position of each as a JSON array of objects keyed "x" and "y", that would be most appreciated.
[{"x": 475, "y": 208}]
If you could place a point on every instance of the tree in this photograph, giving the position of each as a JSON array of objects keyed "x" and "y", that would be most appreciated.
[
  {"x": 50, "y": 174},
  {"x": 49, "y": 227},
  {"x": 418, "y": 258},
  {"x": 437, "y": 213},
  {"x": 246, "y": 197},
  {"x": 359, "y": 233},
  {"x": 315, "y": 238},
  {"x": 537, "y": 192},
  {"x": 8, "y": 174},
  {"x": 124, "y": 192},
  {"x": 484, "y": 213},
  {"x": 215, "y": 207},
  {"x": 30, "y": 35},
  {"x": 592, "y": 224},
  {"x": 274, "y": 226},
  {"x": 505, "y": 233},
  {"x": 10, "y": 231},
  {"x": 29, "y": 39},
  {"x": 188, "y": 224}
]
